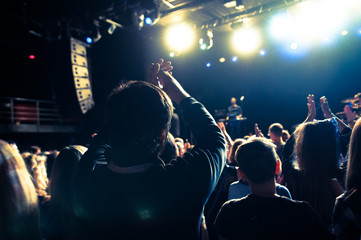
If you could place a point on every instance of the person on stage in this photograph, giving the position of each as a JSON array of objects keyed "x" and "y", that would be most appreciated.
[{"x": 233, "y": 119}]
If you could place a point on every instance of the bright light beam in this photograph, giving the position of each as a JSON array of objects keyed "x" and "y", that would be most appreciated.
[
  {"x": 246, "y": 40},
  {"x": 180, "y": 37}
]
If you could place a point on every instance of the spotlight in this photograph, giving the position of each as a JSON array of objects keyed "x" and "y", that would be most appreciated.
[
  {"x": 148, "y": 21},
  {"x": 206, "y": 41},
  {"x": 171, "y": 54},
  {"x": 222, "y": 60},
  {"x": 262, "y": 52},
  {"x": 180, "y": 37},
  {"x": 89, "y": 40},
  {"x": 208, "y": 65},
  {"x": 31, "y": 57},
  {"x": 234, "y": 59},
  {"x": 281, "y": 26},
  {"x": 151, "y": 12},
  {"x": 246, "y": 40},
  {"x": 293, "y": 46},
  {"x": 344, "y": 32}
]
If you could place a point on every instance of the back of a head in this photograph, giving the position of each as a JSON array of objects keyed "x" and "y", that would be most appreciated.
[
  {"x": 236, "y": 144},
  {"x": 17, "y": 192},
  {"x": 353, "y": 177},
  {"x": 276, "y": 129},
  {"x": 63, "y": 174},
  {"x": 135, "y": 114},
  {"x": 257, "y": 158},
  {"x": 316, "y": 148}
]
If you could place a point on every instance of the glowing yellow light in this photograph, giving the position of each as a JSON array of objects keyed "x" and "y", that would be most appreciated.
[
  {"x": 180, "y": 37},
  {"x": 344, "y": 32},
  {"x": 246, "y": 40},
  {"x": 222, "y": 59},
  {"x": 171, "y": 54}
]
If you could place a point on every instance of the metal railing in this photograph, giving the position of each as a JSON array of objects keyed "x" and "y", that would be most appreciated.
[{"x": 29, "y": 111}]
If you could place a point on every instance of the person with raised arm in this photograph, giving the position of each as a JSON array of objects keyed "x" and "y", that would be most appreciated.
[
  {"x": 310, "y": 162},
  {"x": 132, "y": 194}
]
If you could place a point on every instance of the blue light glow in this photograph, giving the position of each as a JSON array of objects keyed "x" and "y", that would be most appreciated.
[
  {"x": 148, "y": 21},
  {"x": 208, "y": 65},
  {"x": 89, "y": 40},
  {"x": 234, "y": 59},
  {"x": 262, "y": 52}
]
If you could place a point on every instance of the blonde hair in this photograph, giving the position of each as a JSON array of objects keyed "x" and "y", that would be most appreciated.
[
  {"x": 17, "y": 192},
  {"x": 37, "y": 168}
]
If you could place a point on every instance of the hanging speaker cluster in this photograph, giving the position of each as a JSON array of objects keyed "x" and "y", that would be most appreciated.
[{"x": 81, "y": 75}]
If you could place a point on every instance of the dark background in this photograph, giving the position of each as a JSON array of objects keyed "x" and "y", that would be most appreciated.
[{"x": 275, "y": 86}]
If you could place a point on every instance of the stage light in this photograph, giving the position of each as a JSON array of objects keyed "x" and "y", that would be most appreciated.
[
  {"x": 246, "y": 40},
  {"x": 206, "y": 40},
  {"x": 344, "y": 32},
  {"x": 262, "y": 52},
  {"x": 89, "y": 40},
  {"x": 293, "y": 46},
  {"x": 171, "y": 54},
  {"x": 222, "y": 60},
  {"x": 31, "y": 57},
  {"x": 148, "y": 21},
  {"x": 234, "y": 59},
  {"x": 208, "y": 65},
  {"x": 151, "y": 12},
  {"x": 281, "y": 26},
  {"x": 180, "y": 37},
  {"x": 315, "y": 20}
]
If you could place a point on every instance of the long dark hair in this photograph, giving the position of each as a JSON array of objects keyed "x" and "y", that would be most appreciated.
[
  {"x": 316, "y": 149},
  {"x": 353, "y": 176},
  {"x": 63, "y": 175}
]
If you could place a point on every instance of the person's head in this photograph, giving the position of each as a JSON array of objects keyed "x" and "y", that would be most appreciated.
[
  {"x": 62, "y": 175},
  {"x": 17, "y": 192},
  {"x": 358, "y": 96},
  {"x": 275, "y": 131},
  {"x": 232, "y": 152},
  {"x": 316, "y": 148},
  {"x": 353, "y": 176},
  {"x": 285, "y": 135},
  {"x": 137, "y": 116},
  {"x": 258, "y": 161},
  {"x": 35, "y": 149},
  {"x": 233, "y": 100}
]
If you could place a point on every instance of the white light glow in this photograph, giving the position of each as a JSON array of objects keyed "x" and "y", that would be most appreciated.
[
  {"x": 180, "y": 37},
  {"x": 246, "y": 40},
  {"x": 281, "y": 26}
]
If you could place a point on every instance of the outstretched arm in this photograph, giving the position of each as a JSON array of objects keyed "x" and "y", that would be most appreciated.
[
  {"x": 327, "y": 113},
  {"x": 311, "y": 108}
]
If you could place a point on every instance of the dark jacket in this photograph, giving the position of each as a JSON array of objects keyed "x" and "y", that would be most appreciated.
[{"x": 154, "y": 200}]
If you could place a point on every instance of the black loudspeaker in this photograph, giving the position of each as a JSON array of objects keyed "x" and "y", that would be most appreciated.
[{"x": 82, "y": 81}]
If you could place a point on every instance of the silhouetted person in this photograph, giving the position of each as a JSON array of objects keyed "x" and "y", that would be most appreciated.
[{"x": 133, "y": 194}]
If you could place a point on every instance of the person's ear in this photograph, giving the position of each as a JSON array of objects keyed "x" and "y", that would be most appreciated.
[
  {"x": 243, "y": 176},
  {"x": 278, "y": 167}
]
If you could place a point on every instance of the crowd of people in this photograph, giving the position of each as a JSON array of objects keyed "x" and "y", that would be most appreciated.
[{"x": 135, "y": 180}]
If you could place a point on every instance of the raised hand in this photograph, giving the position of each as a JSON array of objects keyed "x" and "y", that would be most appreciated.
[
  {"x": 325, "y": 108},
  {"x": 351, "y": 116},
  {"x": 258, "y": 131},
  {"x": 221, "y": 126},
  {"x": 311, "y": 108},
  {"x": 161, "y": 76}
]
